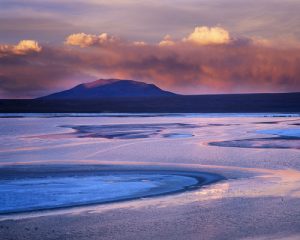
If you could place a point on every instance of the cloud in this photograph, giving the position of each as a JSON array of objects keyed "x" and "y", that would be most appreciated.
[
  {"x": 205, "y": 36},
  {"x": 167, "y": 41},
  {"x": 26, "y": 46},
  {"x": 86, "y": 40},
  {"x": 139, "y": 43},
  {"x": 201, "y": 35},
  {"x": 244, "y": 65},
  {"x": 32, "y": 75},
  {"x": 22, "y": 48}
]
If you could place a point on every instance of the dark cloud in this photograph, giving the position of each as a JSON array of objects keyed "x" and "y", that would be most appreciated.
[{"x": 36, "y": 74}]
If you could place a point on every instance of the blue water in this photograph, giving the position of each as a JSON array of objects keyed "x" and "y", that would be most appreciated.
[{"x": 26, "y": 194}]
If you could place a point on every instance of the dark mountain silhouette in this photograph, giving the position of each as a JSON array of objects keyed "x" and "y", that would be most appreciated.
[{"x": 108, "y": 88}]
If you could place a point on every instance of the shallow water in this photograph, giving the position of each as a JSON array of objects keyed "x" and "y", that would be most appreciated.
[
  {"x": 257, "y": 154},
  {"x": 34, "y": 193}
]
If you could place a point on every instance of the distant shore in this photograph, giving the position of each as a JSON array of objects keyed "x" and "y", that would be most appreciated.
[{"x": 222, "y": 103}]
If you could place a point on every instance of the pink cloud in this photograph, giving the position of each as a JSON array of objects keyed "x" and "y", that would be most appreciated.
[
  {"x": 22, "y": 48},
  {"x": 206, "y": 36},
  {"x": 240, "y": 65}
]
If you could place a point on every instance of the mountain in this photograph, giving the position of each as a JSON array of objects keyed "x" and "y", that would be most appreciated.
[{"x": 109, "y": 88}]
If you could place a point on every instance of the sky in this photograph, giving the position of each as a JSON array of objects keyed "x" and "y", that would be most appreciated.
[{"x": 186, "y": 46}]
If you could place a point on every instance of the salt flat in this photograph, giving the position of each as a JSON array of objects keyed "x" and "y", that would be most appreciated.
[{"x": 258, "y": 197}]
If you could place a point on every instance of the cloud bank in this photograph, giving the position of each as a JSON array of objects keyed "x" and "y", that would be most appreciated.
[{"x": 208, "y": 60}]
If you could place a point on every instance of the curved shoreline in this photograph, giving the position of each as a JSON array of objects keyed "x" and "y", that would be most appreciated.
[{"x": 202, "y": 178}]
